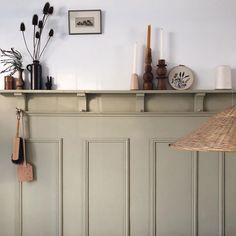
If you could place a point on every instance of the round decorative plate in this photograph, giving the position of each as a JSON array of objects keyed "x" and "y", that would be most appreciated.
[{"x": 181, "y": 77}]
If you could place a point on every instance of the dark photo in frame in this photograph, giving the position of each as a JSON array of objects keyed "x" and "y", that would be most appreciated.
[{"x": 85, "y": 21}]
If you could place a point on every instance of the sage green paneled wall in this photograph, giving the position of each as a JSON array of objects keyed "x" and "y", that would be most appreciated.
[{"x": 113, "y": 173}]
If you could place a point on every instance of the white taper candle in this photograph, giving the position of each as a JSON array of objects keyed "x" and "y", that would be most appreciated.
[
  {"x": 161, "y": 44},
  {"x": 135, "y": 59}
]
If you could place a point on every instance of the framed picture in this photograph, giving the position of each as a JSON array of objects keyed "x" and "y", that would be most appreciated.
[{"x": 85, "y": 21}]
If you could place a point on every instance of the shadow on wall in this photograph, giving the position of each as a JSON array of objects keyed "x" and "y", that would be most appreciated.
[
  {"x": 61, "y": 26},
  {"x": 234, "y": 78}
]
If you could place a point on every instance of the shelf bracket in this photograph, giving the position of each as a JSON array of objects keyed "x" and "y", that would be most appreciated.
[
  {"x": 21, "y": 100},
  {"x": 82, "y": 102},
  {"x": 140, "y": 102},
  {"x": 199, "y": 102}
]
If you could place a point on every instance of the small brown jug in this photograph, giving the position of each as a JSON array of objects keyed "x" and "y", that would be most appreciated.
[{"x": 19, "y": 81}]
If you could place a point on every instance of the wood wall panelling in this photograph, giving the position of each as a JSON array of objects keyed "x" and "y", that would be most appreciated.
[{"x": 179, "y": 193}]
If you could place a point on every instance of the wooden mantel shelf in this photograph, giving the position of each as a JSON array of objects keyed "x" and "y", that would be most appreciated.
[
  {"x": 114, "y": 91},
  {"x": 122, "y": 101}
]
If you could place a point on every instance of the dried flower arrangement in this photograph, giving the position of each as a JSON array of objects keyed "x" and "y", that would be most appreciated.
[
  {"x": 12, "y": 60},
  {"x": 38, "y": 29}
]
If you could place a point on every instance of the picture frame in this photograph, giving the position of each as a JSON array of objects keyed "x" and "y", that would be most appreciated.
[{"x": 85, "y": 21}]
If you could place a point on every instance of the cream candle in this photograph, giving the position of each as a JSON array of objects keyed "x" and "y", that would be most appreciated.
[
  {"x": 135, "y": 58},
  {"x": 161, "y": 38}
]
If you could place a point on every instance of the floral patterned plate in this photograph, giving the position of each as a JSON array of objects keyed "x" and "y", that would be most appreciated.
[{"x": 181, "y": 77}]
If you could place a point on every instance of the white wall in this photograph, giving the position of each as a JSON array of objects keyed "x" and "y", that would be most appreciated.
[{"x": 200, "y": 34}]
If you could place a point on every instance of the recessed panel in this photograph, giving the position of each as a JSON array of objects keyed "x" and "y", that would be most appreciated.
[
  {"x": 40, "y": 198},
  {"x": 173, "y": 191},
  {"x": 208, "y": 194},
  {"x": 107, "y": 188}
]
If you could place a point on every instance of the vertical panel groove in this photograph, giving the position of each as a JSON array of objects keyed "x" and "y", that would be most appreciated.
[
  {"x": 152, "y": 166},
  {"x": 86, "y": 205},
  {"x": 20, "y": 219},
  {"x": 60, "y": 187},
  {"x": 221, "y": 194},
  {"x": 127, "y": 188},
  {"x": 195, "y": 193},
  {"x": 125, "y": 142}
]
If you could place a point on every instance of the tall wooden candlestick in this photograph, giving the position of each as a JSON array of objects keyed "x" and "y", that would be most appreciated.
[
  {"x": 149, "y": 37},
  {"x": 161, "y": 74},
  {"x": 148, "y": 76}
]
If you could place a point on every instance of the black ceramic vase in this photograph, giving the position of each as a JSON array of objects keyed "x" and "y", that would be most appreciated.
[{"x": 35, "y": 70}]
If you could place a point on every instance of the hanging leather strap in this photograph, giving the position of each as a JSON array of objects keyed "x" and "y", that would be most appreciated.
[
  {"x": 18, "y": 116},
  {"x": 23, "y": 136},
  {"x": 17, "y": 153}
]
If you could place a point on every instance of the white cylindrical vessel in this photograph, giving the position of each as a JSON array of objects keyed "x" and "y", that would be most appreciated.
[{"x": 223, "y": 77}]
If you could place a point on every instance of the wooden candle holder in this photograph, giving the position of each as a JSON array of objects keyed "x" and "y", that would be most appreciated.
[
  {"x": 148, "y": 76},
  {"x": 161, "y": 74}
]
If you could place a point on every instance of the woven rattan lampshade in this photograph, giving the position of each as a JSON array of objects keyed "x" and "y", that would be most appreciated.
[{"x": 217, "y": 134}]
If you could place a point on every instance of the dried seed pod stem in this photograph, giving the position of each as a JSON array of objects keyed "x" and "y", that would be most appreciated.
[
  {"x": 40, "y": 24},
  {"x": 45, "y": 46},
  {"x": 27, "y": 45}
]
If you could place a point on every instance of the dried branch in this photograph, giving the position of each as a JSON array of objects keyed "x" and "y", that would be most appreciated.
[{"x": 11, "y": 59}]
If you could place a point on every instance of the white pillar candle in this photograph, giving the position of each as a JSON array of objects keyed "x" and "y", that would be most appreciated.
[
  {"x": 161, "y": 38},
  {"x": 223, "y": 77},
  {"x": 135, "y": 58}
]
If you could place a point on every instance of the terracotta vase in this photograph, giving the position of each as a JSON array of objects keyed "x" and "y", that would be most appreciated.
[
  {"x": 19, "y": 81},
  {"x": 8, "y": 82}
]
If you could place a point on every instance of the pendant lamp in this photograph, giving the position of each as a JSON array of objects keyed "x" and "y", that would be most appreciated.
[{"x": 217, "y": 134}]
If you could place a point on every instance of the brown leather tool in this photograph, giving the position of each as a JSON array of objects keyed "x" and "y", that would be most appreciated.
[{"x": 17, "y": 156}]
